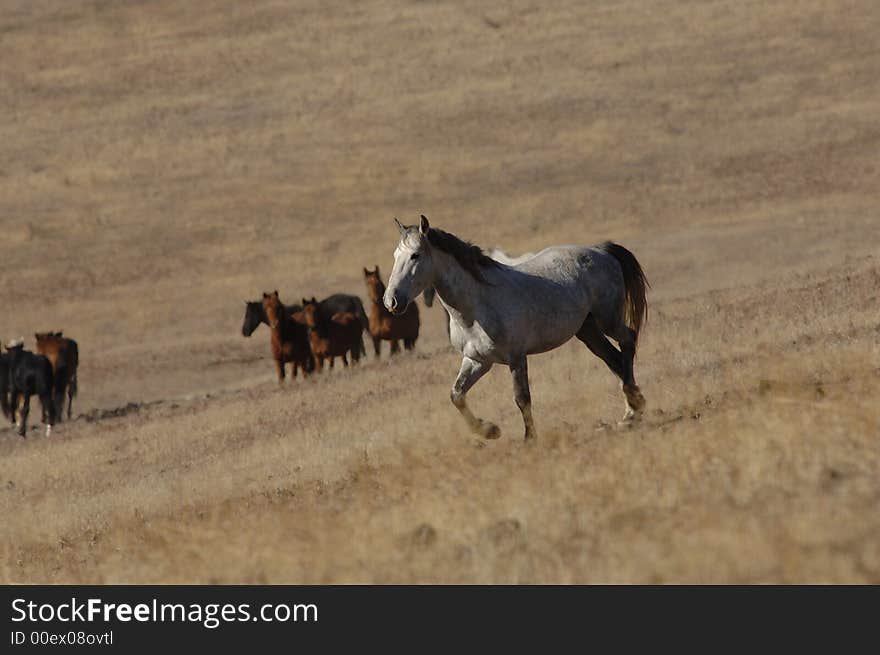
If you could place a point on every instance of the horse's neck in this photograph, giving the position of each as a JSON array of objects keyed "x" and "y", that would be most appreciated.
[
  {"x": 459, "y": 292},
  {"x": 322, "y": 325},
  {"x": 378, "y": 300},
  {"x": 284, "y": 322}
]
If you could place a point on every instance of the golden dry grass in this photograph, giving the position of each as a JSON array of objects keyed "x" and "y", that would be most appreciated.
[{"x": 164, "y": 161}]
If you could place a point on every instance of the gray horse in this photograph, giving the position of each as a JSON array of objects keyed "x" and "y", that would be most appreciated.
[{"x": 500, "y": 314}]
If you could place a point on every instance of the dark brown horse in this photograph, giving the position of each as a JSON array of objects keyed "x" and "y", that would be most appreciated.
[
  {"x": 387, "y": 326},
  {"x": 63, "y": 354},
  {"x": 288, "y": 340},
  {"x": 329, "y": 337}
]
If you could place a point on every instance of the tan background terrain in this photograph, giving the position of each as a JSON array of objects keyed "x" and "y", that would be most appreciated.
[{"x": 161, "y": 162}]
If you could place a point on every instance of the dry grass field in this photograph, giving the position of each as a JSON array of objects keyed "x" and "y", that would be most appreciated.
[{"x": 163, "y": 161}]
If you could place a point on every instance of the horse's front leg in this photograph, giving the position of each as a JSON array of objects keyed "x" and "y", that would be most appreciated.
[
  {"x": 519, "y": 368},
  {"x": 471, "y": 371}
]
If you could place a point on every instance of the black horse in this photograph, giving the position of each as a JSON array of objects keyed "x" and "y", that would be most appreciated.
[{"x": 30, "y": 374}]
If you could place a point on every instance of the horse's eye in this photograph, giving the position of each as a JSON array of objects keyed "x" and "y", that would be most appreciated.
[{"x": 415, "y": 256}]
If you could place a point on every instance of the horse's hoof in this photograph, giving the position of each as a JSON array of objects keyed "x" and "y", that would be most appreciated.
[
  {"x": 630, "y": 418},
  {"x": 490, "y": 431},
  {"x": 634, "y": 398}
]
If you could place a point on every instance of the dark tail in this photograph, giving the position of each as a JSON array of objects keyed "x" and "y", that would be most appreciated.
[{"x": 636, "y": 301}]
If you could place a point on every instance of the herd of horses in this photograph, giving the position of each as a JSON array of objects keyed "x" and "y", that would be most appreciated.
[
  {"x": 309, "y": 334},
  {"x": 499, "y": 310},
  {"x": 49, "y": 373}
]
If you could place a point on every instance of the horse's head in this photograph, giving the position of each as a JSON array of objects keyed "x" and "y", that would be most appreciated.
[
  {"x": 14, "y": 348},
  {"x": 375, "y": 286},
  {"x": 253, "y": 316},
  {"x": 273, "y": 309},
  {"x": 413, "y": 270},
  {"x": 46, "y": 338},
  {"x": 309, "y": 313},
  {"x": 46, "y": 342}
]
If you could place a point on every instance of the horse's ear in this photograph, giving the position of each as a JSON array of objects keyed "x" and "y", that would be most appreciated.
[
  {"x": 265, "y": 295},
  {"x": 366, "y": 272},
  {"x": 400, "y": 227},
  {"x": 314, "y": 301},
  {"x": 276, "y": 293},
  {"x": 424, "y": 226},
  {"x": 377, "y": 270}
]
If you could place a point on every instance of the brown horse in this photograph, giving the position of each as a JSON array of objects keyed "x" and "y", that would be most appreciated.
[
  {"x": 336, "y": 336},
  {"x": 384, "y": 324},
  {"x": 63, "y": 354},
  {"x": 289, "y": 339}
]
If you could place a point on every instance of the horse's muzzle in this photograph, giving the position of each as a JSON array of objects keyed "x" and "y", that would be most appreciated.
[{"x": 393, "y": 305}]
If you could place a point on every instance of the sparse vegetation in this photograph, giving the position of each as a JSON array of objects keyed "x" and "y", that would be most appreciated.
[{"x": 164, "y": 161}]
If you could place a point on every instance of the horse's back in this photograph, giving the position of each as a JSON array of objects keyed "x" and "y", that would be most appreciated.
[
  {"x": 539, "y": 304},
  {"x": 502, "y": 257},
  {"x": 31, "y": 373},
  {"x": 344, "y": 318},
  {"x": 340, "y": 302}
]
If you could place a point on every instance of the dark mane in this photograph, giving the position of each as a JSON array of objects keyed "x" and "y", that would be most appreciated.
[{"x": 471, "y": 257}]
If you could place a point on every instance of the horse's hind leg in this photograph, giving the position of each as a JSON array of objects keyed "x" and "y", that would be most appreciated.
[
  {"x": 48, "y": 404},
  {"x": 593, "y": 339},
  {"x": 619, "y": 361},
  {"x": 635, "y": 401},
  {"x": 58, "y": 400},
  {"x": 471, "y": 371},
  {"x": 377, "y": 346},
  {"x": 520, "y": 371},
  {"x": 71, "y": 392},
  {"x": 409, "y": 344},
  {"x": 279, "y": 367},
  {"x": 395, "y": 347},
  {"x": 23, "y": 414},
  {"x": 15, "y": 405}
]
